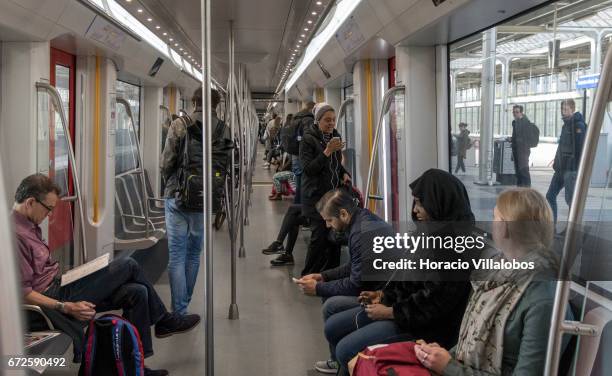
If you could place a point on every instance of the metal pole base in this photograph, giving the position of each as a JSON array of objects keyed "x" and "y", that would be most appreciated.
[
  {"x": 242, "y": 252},
  {"x": 233, "y": 312},
  {"x": 246, "y": 221}
]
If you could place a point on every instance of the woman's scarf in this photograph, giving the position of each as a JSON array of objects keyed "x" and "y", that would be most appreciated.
[{"x": 494, "y": 297}]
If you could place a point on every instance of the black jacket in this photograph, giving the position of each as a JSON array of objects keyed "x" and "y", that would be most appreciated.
[
  {"x": 520, "y": 135},
  {"x": 321, "y": 174},
  {"x": 346, "y": 279},
  {"x": 571, "y": 141},
  {"x": 432, "y": 309}
]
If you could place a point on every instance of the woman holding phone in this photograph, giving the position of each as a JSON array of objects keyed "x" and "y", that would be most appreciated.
[{"x": 321, "y": 158}]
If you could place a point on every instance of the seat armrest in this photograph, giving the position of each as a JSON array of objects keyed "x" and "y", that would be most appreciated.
[{"x": 37, "y": 309}]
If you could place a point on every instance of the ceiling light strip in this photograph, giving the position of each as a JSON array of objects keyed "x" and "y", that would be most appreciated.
[{"x": 343, "y": 10}]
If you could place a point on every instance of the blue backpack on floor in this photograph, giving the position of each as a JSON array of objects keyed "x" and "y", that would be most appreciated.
[{"x": 112, "y": 348}]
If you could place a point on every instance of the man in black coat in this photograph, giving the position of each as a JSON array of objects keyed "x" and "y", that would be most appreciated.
[{"x": 520, "y": 146}]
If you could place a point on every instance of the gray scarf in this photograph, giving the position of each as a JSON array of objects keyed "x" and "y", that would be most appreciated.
[{"x": 481, "y": 338}]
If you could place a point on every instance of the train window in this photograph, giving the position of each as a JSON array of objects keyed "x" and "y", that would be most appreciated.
[
  {"x": 127, "y": 133},
  {"x": 525, "y": 75}
]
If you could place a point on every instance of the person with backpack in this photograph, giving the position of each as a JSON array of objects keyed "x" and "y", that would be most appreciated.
[
  {"x": 120, "y": 285},
  {"x": 291, "y": 136},
  {"x": 525, "y": 135},
  {"x": 568, "y": 155},
  {"x": 463, "y": 144},
  {"x": 273, "y": 130},
  {"x": 182, "y": 168}
]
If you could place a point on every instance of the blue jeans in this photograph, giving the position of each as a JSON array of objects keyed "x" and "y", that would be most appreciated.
[
  {"x": 336, "y": 304},
  {"x": 296, "y": 168},
  {"x": 122, "y": 285},
  {"x": 561, "y": 180},
  {"x": 185, "y": 232},
  {"x": 351, "y": 331}
]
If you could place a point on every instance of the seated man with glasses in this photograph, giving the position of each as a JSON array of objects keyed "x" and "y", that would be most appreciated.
[{"x": 121, "y": 285}]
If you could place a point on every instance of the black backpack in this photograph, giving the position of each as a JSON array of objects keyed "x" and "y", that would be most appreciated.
[
  {"x": 112, "y": 348},
  {"x": 289, "y": 135},
  {"x": 190, "y": 190},
  {"x": 532, "y": 134}
]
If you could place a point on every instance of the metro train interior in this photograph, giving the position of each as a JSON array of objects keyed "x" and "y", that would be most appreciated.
[{"x": 93, "y": 97}]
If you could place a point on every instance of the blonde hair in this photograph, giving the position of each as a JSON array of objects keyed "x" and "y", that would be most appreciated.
[{"x": 528, "y": 215}]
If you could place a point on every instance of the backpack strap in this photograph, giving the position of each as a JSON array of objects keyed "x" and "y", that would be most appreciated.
[
  {"x": 116, "y": 340},
  {"x": 90, "y": 349},
  {"x": 137, "y": 344}
]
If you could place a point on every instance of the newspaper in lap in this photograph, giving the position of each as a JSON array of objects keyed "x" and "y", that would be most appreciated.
[{"x": 85, "y": 269}]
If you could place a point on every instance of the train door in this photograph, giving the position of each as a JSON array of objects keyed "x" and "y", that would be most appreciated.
[{"x": 61, "y": 227}]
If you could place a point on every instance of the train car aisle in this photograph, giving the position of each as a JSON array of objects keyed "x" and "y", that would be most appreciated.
[{"x": 280, "y": 331}]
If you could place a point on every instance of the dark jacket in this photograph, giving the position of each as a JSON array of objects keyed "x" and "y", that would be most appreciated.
[
  {"x": 305, "y": 118},
  {"x": 463, "y": 143},
  {"x": 346, "y": 279},
  {"x": 520, "y": 135},
  {"x": 433, "y": 309},
  {"x": 570, "y": 144},
  {"x": 321, "y": 174}
]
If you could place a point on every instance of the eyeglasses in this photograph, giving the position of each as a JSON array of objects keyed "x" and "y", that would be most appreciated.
[{"x": 49, "y": 208}]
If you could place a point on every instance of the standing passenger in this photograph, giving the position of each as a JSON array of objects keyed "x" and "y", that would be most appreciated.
[
  {"x": 520, "y": 146},
  {"x": 568, "y": 155},
  {"x": 321, "y": 157},
  {"x": 302, "y": 120},
  {"x": 463, "y": 144},
  {"x": 272, "y": 129},
  {"x": 185, "y": 228}
]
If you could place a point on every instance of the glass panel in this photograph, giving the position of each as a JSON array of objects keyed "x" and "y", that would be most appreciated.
[
  {"x": 126, "y": 152},
  {"x": 131, "y": 93},
  {"x": 60, "y": 222},
  {"x": 347, "y": 131}
]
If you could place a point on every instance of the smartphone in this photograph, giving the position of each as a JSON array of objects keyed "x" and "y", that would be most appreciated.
[{"x": 295, "y": 280}]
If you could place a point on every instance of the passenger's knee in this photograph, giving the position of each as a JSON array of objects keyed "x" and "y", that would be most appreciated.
[{"x": 137, "y": 294}]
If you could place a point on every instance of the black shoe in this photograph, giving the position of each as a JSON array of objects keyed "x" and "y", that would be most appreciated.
[
  {"x": 155, "y": 372},
  {"x": 274, "y": 248},
  {"x": 174, "y": 323},
  {"x": 282, "y": 259}
]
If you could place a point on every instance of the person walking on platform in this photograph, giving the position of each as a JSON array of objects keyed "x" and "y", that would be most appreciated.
[
  {"x": 321, "y": 157},
  {"x": 521, "y": 147},
  {"x": 463, "y": 144},
  {"x": 567, "y": 156},
  {"x": 291, "y": 137}
]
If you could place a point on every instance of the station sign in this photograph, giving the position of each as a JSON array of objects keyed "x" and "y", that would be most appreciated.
[{"x": 589, "y": 81}]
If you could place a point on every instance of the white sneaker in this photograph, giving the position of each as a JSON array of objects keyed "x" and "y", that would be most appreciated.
[
  {"x": 266, "y": 165},
  {"x": 327, "y": 366}
]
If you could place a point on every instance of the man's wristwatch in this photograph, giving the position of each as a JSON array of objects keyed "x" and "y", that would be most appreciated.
[{"x": 60, "y": 306}]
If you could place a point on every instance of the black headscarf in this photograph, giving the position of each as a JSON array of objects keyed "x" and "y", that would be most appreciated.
[{"x": 443, "y": 196}]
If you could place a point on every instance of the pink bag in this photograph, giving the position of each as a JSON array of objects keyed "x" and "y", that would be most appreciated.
[{"x": 395, "y": 359}]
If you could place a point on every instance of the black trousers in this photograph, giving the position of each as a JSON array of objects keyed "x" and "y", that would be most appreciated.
[
  {"x": 290, "y": 227},
  {"x": 521, "y": 167},
  {"x": 322, "y": 253},
  {"x": 120, "y": 286}
]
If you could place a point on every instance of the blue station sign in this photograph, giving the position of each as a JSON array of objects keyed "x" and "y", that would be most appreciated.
[{"x": 589, "y": 81}]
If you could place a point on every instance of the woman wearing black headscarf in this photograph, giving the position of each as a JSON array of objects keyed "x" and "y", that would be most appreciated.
[{"x": 410, "y": 310}]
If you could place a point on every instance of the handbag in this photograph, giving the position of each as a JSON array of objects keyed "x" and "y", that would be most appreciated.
[{"x": 395, "y": 359}]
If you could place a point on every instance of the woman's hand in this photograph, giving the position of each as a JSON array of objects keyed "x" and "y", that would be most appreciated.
[
  {"x": 433, "y": 357},
  {"x": 333, "y": 146},
  {"x": 379, "y": 312}
]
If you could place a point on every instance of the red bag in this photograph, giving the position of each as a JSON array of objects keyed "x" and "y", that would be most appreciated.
[{"x": 395, "y": 359}]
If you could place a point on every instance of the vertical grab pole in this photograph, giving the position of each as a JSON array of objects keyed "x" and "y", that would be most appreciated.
[
  {"x": 558, "y": 324},
  {"x": 243, "y": 150},
  {"x": 209, "y": 327},
  {"x": 233, "y": 309}
]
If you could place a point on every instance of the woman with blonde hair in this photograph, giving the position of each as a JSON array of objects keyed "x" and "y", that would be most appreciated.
[{"x": 505, "y": 327}]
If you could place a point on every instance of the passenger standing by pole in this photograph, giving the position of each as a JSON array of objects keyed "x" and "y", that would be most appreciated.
[
  {"x": 291, "y": 137},
  {"x": 185, "y": 226},
  {"x": 521, "y": 149},
  {"x": 568, "y": 155},
  {"x": 321, "y": 157}
]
